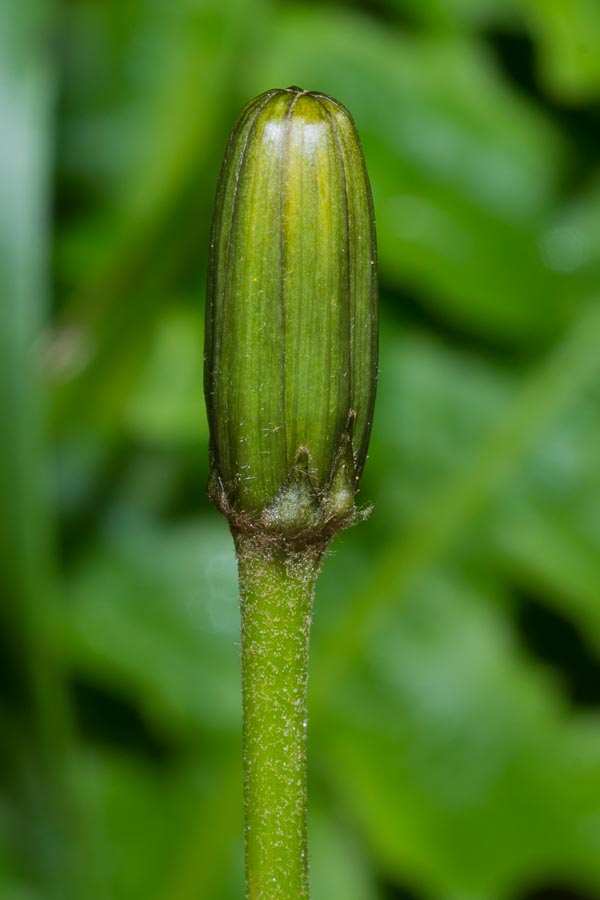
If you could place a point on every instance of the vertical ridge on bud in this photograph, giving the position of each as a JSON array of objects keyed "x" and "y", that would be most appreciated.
[
  {"x": 314, "y": 230},
  {"x": 362, "y": 278},
  {"x": 291, "y": 338},
  {"x": 245, "y": 266}
]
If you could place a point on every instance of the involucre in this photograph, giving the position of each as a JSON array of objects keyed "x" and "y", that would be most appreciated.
[{"x": 291, "y": 322}]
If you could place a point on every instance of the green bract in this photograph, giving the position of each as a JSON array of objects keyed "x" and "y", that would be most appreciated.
[{"x": 291, "y": 337}]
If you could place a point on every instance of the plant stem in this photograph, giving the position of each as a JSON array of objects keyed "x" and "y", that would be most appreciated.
[{"x": 277, "y": 584}]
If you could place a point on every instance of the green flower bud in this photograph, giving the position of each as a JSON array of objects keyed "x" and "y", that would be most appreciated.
[{"x": 291, "y": 322}]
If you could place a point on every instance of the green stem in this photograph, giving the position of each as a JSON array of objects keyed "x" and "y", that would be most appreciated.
[{"x": 277, "y": 586}]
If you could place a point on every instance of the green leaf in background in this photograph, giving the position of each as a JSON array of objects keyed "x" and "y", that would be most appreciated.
[
  {"x": 151, "y": 830},
  {"x": 167, "y": 597},
  {"x": 569, "y": 54},
  {"x": 338, "y": 867},
  {"x": 451, "y": 14},
  {"x": 571, "y": 240},
  {"x": 163, "y": 407},
  {"x": 159, "y": 119},
  {"x": 466, "y": 776},
  {"x": 39, "y": 832}
]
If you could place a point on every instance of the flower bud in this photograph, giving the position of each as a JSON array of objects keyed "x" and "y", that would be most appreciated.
[{"x": 291, "y": 321}]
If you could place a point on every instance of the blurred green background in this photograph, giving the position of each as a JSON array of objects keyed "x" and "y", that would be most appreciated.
[{"x": 455, "y": 675}]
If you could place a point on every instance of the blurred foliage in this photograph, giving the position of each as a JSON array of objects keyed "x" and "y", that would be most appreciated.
[{"x": 455, "y": 678}]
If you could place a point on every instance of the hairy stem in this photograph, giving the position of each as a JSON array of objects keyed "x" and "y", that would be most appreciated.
[{"x": 277, "y": 586}]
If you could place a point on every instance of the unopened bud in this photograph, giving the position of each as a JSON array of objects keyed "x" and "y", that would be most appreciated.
[{"x": 291, "y": 322}]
